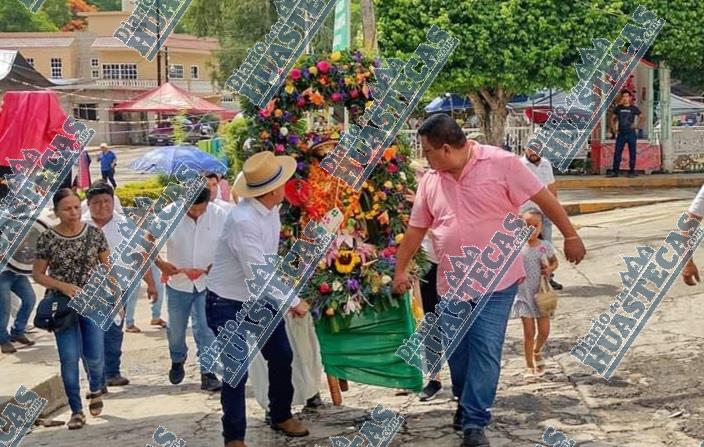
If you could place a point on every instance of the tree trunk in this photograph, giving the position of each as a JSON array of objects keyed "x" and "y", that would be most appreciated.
[
  {"x": 369, "y": 25},
  {"x": 490, "y": 107}
]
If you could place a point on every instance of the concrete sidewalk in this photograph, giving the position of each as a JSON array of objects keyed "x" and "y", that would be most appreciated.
[{"x": 680, "y": 180}]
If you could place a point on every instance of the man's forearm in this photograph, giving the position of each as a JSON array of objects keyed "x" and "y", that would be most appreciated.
[{"x": 555, "y": 212}]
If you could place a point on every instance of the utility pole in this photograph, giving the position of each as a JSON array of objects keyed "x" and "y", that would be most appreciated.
[{"x": 158, "y": 38}]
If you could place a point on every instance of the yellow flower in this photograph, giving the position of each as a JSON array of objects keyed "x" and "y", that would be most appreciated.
[
  {"x": 322, "y": 265},
  {"x": 385, "y": 279},
  {"x": 289, "y": 88},
  {"x": 399, "y": 238},
  {"x": 346, "y": 261},
  {"x": 369, "y": 105},
  {"x": 313, "y": 70},
  {"x": 335, "y": 56},
  {"x": 388, "y": 184}
]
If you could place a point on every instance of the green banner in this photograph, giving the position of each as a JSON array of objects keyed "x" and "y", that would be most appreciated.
[{"x": 341, "y": 33}]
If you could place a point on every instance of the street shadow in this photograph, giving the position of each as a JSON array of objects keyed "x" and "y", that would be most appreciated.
[{"x": 591, "y": 291}]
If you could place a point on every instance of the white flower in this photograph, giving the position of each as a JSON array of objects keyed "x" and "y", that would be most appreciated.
[
  {"x": 284, "y": 131},
  {"x": 403, "y": 176},
  {"x": 385, "y": 279},
  {"x": 336, "y": 286}
]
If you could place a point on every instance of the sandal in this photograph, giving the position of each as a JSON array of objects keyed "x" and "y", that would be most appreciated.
[
  {"x": 158, "y": 322},
  {"x": 539, "y": 363},
  {"x": 133, "y": 329},
  {"x": 529, "y": 374},
  {"x": 96, "y": 403},
  {"x": 77, "y": 421}
]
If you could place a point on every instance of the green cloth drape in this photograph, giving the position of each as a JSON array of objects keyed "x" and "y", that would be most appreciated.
[{"x": 364, "y": 351}]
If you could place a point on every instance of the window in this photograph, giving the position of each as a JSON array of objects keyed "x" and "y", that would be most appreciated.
[
  {"x": 194, "y": 72},
  {"x": 56, "y": 68},
  {"x": 119, "y": 71},
  {"x": 95, "y": 68},
  {"x": 86, "y": 112},
  {"x": 94, "y": 63},
  {"x": 30, "y": 61},
  {"x": 176, "y": 71}
]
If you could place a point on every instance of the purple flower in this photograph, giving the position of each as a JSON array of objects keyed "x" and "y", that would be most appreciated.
[
  {"x": 377, "y": 62},
  {"x": 357, "y": 56},
  {"x": 352, "y": 285},
  {"x": 301, "y": 166},
  {"x": 293, "y": 139}
]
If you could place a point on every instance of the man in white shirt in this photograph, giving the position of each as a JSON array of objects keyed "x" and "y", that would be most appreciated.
[
  {"x": 102, "y": 214},
  {"x": 252, "y": 231},
  {"x": 189, "y": 253},
  {"x": 542, "y": 168},
  {"x": 214, "y": 186},
  {"x": 690, "y": 273}
]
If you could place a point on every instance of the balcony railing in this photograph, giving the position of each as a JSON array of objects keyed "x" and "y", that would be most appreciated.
[
  {"x": 196, "y": 87},
  {"x": 132, "y": 83}
]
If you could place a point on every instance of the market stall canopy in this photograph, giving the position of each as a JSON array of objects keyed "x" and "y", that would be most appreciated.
[
  {"x": 683, "y": 106},
  {"x": 17, "y": 74},
  {"x": 28, "y": 120},
  {"x": 169, "y": 99}
]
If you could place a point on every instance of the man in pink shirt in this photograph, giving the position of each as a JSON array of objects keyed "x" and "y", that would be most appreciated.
[{"x": 465, "y": 199}]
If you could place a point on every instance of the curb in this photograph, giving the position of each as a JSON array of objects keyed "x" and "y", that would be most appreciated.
[
  {"x": 647, "y": 181},
  {"x": 575, "y": 209}
]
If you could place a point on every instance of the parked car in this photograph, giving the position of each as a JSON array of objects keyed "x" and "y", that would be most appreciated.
[{"x": 163, "y": 133}]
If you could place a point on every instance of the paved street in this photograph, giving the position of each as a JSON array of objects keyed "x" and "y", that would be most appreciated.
[{"x": 655, "y": 399}]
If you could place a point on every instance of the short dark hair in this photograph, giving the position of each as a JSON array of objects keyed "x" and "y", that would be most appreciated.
[
  {"x": 212, "y": 175},
  {"x": 203, "y": 197},
  {"x": 626, "y": 92},
  {"x": 441, "y": 129},
  {"x": 97, "y": 188},
  {"x": 61, "y": 194}
]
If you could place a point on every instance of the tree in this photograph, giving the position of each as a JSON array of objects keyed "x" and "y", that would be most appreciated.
[
  {"x": 520, "y": 46},
  {"x": 58, "y": 12},
  {"x": 369, "y": 25},
  {"x": 14, "y": 17},
  {"x": 78, "y": 23},
  {"x": 107, "y": 5}
]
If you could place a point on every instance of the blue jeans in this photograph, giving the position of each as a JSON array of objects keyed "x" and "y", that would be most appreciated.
[
  {"x": 156, "y": 306},
  {"x": 131, "y": 307},
  {"x": 278, "y": 355},
  {"x": 622, "y": 138},
  {"x": 181, "y": 305},
  {"x": 84, "y": 340},
  {"x": 476, "y": 363},
  {"x": 19, "y": 284},
  {"x": 113, "y": 349}
]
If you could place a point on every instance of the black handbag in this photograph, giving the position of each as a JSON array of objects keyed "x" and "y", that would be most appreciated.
[{"x": 53, "y": 313}]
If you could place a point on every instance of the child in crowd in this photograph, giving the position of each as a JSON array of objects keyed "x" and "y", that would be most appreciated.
[{"x": 538, "y": 260}]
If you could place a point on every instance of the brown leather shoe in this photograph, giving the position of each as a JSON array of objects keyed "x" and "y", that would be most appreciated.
[
  {"x": 236, "y": 444},
  {"x": 291, "y": 427}
]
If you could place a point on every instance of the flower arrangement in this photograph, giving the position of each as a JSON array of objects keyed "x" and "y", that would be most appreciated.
[{"x": 357, "y": 272}]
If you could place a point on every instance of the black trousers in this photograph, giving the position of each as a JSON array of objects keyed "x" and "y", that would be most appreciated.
[{"x": 109, "y": 176}]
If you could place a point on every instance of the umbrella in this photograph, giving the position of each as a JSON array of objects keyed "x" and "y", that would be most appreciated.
[
  {"x": 448, "y": 103},
  {"x": 167, "y": 159}
]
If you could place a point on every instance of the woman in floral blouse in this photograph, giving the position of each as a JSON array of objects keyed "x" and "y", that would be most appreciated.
[{"x": 69, "y": 251}]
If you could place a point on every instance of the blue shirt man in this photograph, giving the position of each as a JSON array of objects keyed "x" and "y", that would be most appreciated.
[{"x": 108, "y": 160}]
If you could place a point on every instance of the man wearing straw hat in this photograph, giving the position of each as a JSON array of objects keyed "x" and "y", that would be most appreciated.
[{"x": 251, "y": 231}]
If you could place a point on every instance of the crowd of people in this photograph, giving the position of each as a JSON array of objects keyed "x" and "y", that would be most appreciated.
[{"x": 461, "y": 200}]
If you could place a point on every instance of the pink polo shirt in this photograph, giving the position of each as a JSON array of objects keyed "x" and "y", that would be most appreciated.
[{"x": 469, "y": 211}]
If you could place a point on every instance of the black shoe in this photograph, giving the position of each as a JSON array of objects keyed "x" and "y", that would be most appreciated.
[
  {"x": 314, "y": 402},
  {"x": 430, "y": 391},
  {"x": 22, "y": 340},
  {"x": 555, "y": 285},
  {"x": 457, "y": 419},
  {"x": 209, "y": 382},
  {"x": 632, "y": 174},
  {"x": 613, "y": 174},
  {"x": 177, "y": 373},
  {"x": 475, "y": 437},
  {"x": 117, "y": 380}
]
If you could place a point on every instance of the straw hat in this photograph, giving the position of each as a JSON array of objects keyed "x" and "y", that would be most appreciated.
[{"x": 262, "y": 173}]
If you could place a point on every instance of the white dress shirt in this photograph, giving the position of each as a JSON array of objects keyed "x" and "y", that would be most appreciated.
[
  {"x": 543, "y": 171},
  {"x": 697, "y": 206},
  {"x": 251, "y": 231},
  {"x": 192, "y": 245},
  {"x": 112, "y": 234}
]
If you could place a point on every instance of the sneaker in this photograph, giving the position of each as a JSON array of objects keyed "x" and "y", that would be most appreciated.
[
  {"x": 457, "y": 419},
  {"x": 430, "y": 391},
  {"x": 22, "y": 340},
  {"x": 475, "y": 437},
  {"x": 8, "y": 348},
  {"x": 314, "y": 402},
  {"x": 177, "y": 373},
  {"x": 117, "y": 380},
  {"x": 555, "y": 285},
  {"x": 209, "y": 382}
]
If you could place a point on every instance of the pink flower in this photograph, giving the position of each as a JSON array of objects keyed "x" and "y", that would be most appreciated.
[
  {"x": 336, "y": 97},
  {"x": 323, "y": 66},
  {"x": 354, "y": 93},
  {"x": 393, "y": 168},
  {"x": 295, "y": 74},
  {"x": 264, "y": 113},
  {"x": 301, "y": 102},
  {"x": 280, "y": 149}
]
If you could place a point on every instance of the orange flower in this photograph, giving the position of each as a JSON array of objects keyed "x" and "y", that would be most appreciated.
[
  {"x": 317, "y": 99},
  {"x": 390, "y": 153},
  {"x": 278, "y": 113},
  {"x": 264, "y": 135},
  {"x": 383, "y": 218}
]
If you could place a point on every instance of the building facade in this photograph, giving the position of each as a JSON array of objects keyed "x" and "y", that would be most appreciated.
[{"x": 97, "y": 71}]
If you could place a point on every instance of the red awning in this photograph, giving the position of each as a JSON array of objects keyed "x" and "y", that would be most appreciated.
[
  {"x": 168, "y": 99},
  {"x": 28, "y": 120}
]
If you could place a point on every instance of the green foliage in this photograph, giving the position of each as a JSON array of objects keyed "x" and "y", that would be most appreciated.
[
  {"x": 14, "y": 17},
  {"x": 58, "y": 11},
  {"x": 179, "y": 125},
  {"x": 107, "y": 5},
  {"x": 151, "y": 188},
  {"x": 234, "y": 135}
]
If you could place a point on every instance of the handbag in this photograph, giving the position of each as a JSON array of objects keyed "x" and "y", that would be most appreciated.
[
  {"x": 546, "y": 298},
  {"x": 53, "y": 313}
]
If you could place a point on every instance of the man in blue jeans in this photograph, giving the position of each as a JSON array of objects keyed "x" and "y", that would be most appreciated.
[
  {"x": 189, "y": 253},
  {"x": 251, "y": 231},
  {"x": 11, "y": 281},
  {"x": 465, "y": 199},
  {"x": 101, "y": 205},
  {"x": 629, "y": 120}
]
